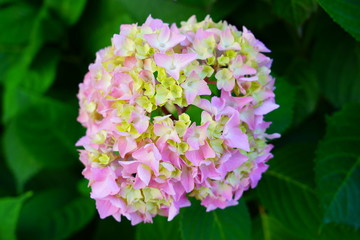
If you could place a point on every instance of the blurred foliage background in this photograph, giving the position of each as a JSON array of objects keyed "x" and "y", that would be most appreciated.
[{"x": 312, "y": 188}]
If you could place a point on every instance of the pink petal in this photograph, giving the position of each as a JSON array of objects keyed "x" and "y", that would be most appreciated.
[
  {"x": 144, "y": 174},
  {"x": 266, "y": 107},
  {"x": 194, "y": 156},
  {"x": 163, "y": 60},
  {"x": 154, "y": 24},
  {"x": 231, "y": 161},
  {"x": 126, "y": 145},
  {"x": 104, "y": 183},
  {"x": 187, "y": 180},
  {"x": 244, "y": 70},
  {"x": 232, "y": 134},
  {"x": 237, "y": 139},
  {"x": 209, "y": 171},
  {"x": 105, "y": 208},
  {"x": 207, "y": 151}
]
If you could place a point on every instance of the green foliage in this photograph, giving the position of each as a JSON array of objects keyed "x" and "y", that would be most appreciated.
[
  {"x": 17, "y": 35},
  {"x": 291, "y": 194},
  {"x": 9, "y": 213},
  {"x": 161, "y": 229},
  {"x": 195, "y": 114},
  {"x": 175, "y": 12},
  {"x": 345, "y": 13},
  {"x": 272, "y": 229},
  {"x": 230, "y": 223},
  {"x": 39, "y": 132},
  {"x": 61, "y": 217},
  {"x": 69, "y": 11},
  {"x": 338, "y": 167},
  {"x": 307, "y": 89},
  {"x": 282, "y": 117},
  {"x": 311, "y": 190},
  {"x": 98, "y": 29},
  {"x": 338, "y": 72},
  {"x": 294, "y": 11}
]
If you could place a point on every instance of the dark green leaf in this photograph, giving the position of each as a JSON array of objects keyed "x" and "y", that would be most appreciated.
[
  {"x": 269, "y": 228},
  {"x": 98, "y": 29},
  {"x": 55, "y": 214},
  {"x": 250, "y": 18},
  {"x": 16, "y": 21},
  {"x": 345, "y": 13},
  {"x": 46, "y": 134},
  {"x": 302, "y": 75},
  {"x": 294, "y": 11},
  {"x": 307, "y": 94},
  {"x": 286, "y": 190},
  {"x": 69, "y": 11},
  {"x": 21, "y": 162},
  {"x": 25, "y": 84},
  {"x": 339, "y": 231},
  {"x": 108, "y": 228},
  {"x": 160, "y": 229},
  {"x": 175, "y": 12},
  {"x": 205, "y": 4},
  {"x": 292, "y": 202},
  {"x": 42, "y": 71},
  {"x": 339, "y": 72},
  {"x": 338, "y": 167},
  {"x": 17, "y": 74},
  {"x": 221, "y": 9},
  {"x": 221, "y": 224},
  {"x": 9, "y": 213},
  {"x": 195, "y": 114},
  {"x": 282, "y": 117}
]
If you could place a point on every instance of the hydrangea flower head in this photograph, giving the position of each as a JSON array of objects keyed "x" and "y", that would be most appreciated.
[{"x": 144, "y": 153}]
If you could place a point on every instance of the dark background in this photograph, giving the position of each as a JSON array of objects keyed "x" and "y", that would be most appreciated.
[{"x": 311, "y": 190}]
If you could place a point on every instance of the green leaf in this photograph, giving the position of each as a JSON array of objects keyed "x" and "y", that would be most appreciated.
[
  {"x": 338, "y": 73},
  {"x": 20, "y": 161},
  {"x": 205, "y": 4},
  {"x": 291, "y": 202},
  {"x": 345, "y": 13},
  {"x": 250, "y": 18},
  {"x": 16, "y": 21},
  {"x": 45, "y": 137},
  {"x": 175, "y": 12},
  {"x": 160, "y": 229},
  {"x": 195, "y": 114},
  {"x": 69, "y": 11},
  {"x": 108, "y": 228},
  {"x": 304, "y": 78},
  {"x": 307, "y": 94},
  {"x": 9, "y": 213},
  {"x": 272, "y": 229},
  {"x": 42, "y": 71},
  {"x": 287, "y": 194},
  {"x": 55, "y": 214},
  {"x": 10, "y": 17},
  {"x": 294, "y": 11},
  {"x": 222, "y": 9},
  {"x": 338, "y": 167},
  {"x": 339, "y": 231},
  {"x": 22, "y": 88},
  {"x": 99, "y": 28},
  {"x": 17, "y": 74},
  {"x": 221, "y": 224},
  {"x": 282, "y": 117},
  {"x": 286, "y": 190}
]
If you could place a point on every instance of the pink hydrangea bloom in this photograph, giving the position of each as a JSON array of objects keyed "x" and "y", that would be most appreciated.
[{"x": 143, "y": 154}]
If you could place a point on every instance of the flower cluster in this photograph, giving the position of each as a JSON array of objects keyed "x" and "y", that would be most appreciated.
[{"x": 144, "y": 154}]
